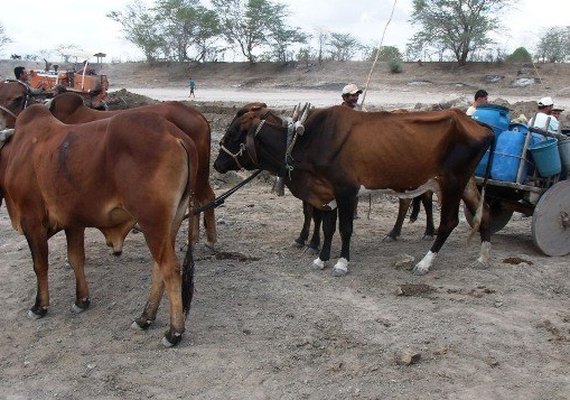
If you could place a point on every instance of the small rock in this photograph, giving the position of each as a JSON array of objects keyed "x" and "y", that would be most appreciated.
[
  {"x": 404, "y": 261},
  {"x": 409, "y": 357}
]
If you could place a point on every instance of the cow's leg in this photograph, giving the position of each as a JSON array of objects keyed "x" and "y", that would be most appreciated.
[
  {"x": 155, "y": 296},
  {"x": 304, "y": 234},
  {"x": 315, "y": 242},
  {"x": 427, "y": 201},
  {"x": 329, "y": 227},
  {"x": 345, "y": 216},
  {"x": 76, "y": 256},
  {"x": 472, "y": 199},
  {"x": 448, "y": 221},
  {"x": 415, "y": 209},
  {"x": 37, "y": 241},
  {"x": 403, "y": 207},
  {"x": 209, "y": 219}
]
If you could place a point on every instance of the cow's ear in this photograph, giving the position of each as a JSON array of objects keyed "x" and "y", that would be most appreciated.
[{"x": 255, "y": 108}]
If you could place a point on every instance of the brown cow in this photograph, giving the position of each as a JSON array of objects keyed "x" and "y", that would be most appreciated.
[
  {"x": 312, "y": 214},
  {"x": 14, "y": 97},
  {"x": 108, "y": 174},
  {"x": 344, "y": 153},
  {"x": 69, "y": 108}
]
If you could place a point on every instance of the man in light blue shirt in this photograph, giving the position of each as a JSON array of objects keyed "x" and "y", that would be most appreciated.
[{"x": 544, "y": 119}]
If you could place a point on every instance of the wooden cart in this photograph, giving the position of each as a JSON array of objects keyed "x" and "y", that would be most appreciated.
[{"x": 547, "y": 200}]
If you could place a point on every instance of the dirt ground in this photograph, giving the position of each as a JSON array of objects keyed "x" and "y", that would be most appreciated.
[{"x": 264, "y": 325}]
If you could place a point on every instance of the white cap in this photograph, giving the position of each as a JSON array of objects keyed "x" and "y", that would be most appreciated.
[
  {"x": 351, "y": 88},
  {"x": 545, "y": 102}
]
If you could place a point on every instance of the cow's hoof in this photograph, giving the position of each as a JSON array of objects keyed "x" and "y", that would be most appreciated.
[
  {"x": 311, "y": 250},
  {"x": 171, "y": 339},
  {"x": 80, "y": 305},
  {"x": 478, "y": 264},
  {"x": 318, "y": 264},
  {"x": 389, "y": 239},
  {"x": 420, "y": 270},
  {"x": 141, "y": 324},
  {"x": 37, "y": 313},
  {"x": 427, "y": 238},
  {"x": 67, "y": 264},
  {"x": 338, "y": 272},
  {"x": 298, "y": 244}
]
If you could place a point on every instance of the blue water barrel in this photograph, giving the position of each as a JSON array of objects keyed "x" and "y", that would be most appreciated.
[
  {"x": 508, "y": 154},
  {"x": 546, "y": 157},
  {"x": 494, "y": 115},
  {"x": 518, "y": 127}
]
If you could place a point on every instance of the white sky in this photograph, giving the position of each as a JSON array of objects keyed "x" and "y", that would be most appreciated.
[{"x": 39, "y": 26}]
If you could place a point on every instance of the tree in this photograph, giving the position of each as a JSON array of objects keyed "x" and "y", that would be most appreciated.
[
  {"x": 554, "y": 45},
  {"x": 251, "y": 23},
  {"x": 281, "y": 39},
  {"x": 385, "y": 53},
  {"x": 4, "y": 39},
  {"x": 342, "y": 46},
  {"x": 456, "y": 26},
  {"x": 141, "y": 27},
  {"x": 520, "y": 55}
]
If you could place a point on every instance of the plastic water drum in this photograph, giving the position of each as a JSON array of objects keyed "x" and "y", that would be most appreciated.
[
  {"x": 498, "y": 118},
  {"x": 494, "y": 115},
  {"x": 508, "y": 156},
  {"x": 564, "y": 150},
  {"x": 546, "y": 157}
]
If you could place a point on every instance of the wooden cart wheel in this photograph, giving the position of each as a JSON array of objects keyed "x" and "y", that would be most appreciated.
[
  {"x": 551, "y": 221},
  {"x": 500, "y": 216}
]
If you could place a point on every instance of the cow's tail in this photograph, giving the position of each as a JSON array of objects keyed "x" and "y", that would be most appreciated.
[
  {"x": 188, "y": 264},
  {"x": 476, "y": 223}
]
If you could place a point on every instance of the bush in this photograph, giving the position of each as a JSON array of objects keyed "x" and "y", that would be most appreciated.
[
  {"x": 520, "y": 55},
  {"x": 395, "y": 66}
]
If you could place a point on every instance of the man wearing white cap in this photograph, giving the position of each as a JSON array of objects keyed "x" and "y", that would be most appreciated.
[
  {"x": 350, "y": 95},
  {"x": 544, "y": 119}
]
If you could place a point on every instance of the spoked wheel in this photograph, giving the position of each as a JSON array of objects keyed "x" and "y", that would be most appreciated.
[
  {"x": 499, "y": 218},
  {"x": 551, "y": 221}
]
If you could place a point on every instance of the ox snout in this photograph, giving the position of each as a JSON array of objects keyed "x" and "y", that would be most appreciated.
[{"x": 223, "y": 163}]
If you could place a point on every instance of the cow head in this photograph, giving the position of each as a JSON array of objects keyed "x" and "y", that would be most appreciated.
[
  {"x": 14, "y": 97},
  {"x": 237, "y": 150}
]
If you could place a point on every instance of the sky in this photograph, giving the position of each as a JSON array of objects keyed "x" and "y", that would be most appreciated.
[{"x": 38, "y": 27}]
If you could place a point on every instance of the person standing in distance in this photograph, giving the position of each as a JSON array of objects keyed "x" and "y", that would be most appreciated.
[{"x": 192, "y": 86}]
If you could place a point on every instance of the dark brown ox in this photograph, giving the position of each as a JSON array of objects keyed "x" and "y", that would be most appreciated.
[
  {"x": 344, "y": 153},
  {"x": 312, "y": 214},
  {"x": 108, "y": 174}
]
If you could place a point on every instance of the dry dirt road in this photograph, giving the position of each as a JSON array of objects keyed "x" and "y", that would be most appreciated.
[{"x": 264, "y": 325}]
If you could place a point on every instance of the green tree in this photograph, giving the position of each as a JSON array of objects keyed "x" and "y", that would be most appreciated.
[
  {"x": 342, "y": 46},
  {"x": 554, "y": 45},
  {"x": 188, "y": 29},
  {"x": 251, "y": 23},
  {"x": 455, "y": 26},
  {"x": 142, "y": 27},
  {"x": 520, "y": 55},
  {"x": 385, "y": 53},
  {"x": 281, "y": 39},
  {"x": 4, "y": 39}
]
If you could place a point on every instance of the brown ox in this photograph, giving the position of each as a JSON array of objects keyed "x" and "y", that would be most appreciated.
[
  {"x": 14, "y": 97},
  {"x": 69, "y": 108},
  {"x": 344, "y": 153},
  {"x": 312, "y": 214},
  {"x": 108, "y": 174}
]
